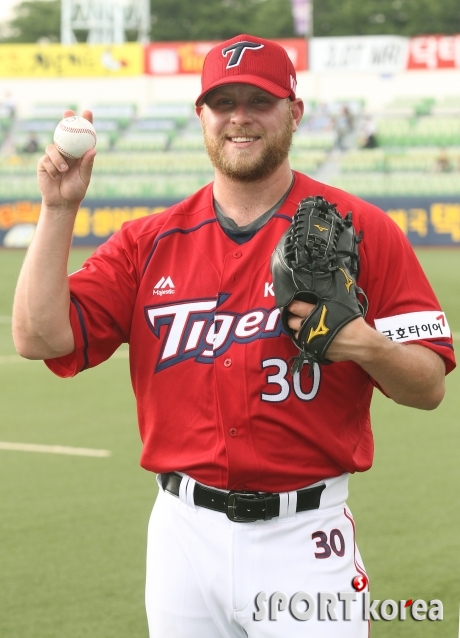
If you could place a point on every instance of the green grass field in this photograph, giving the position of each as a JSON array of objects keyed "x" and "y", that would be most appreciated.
[{"x": 73, "y": 529}]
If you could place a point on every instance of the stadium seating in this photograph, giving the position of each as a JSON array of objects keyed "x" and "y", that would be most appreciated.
[
  {"x": 418, "y": 151},
  {"x": 161, "y": 148},
  {"x": 410, "y": 105}
]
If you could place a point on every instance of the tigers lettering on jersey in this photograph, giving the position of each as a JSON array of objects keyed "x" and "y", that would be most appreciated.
[{"x": 194, "y": 330}]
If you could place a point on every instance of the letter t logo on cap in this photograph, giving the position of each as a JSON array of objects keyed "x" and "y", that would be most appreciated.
[{"x": 237, "y": 50}]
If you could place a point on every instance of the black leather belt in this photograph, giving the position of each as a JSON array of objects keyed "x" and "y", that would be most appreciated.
[{"x": 243, "y": 507}]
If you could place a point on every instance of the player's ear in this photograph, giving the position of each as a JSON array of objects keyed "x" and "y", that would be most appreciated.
[
  {"x": 199, "y": 110},
  {"x": 297, "y": 110}
]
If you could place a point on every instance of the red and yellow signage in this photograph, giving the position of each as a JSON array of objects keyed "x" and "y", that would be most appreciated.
[
  {"x": 171, "y": 58},
  {"x": 380, "y": 54}
]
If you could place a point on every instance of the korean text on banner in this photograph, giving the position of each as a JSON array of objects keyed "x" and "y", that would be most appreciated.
[
  {"x": 430, "y": 52},
  {"x": 79, "y": 60},
  {"x": 426, "y": 221},
  {"x": 366, "y": 54}
]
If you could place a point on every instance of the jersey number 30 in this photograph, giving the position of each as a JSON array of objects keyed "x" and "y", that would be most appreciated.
[{"x": 282, "y": 388}]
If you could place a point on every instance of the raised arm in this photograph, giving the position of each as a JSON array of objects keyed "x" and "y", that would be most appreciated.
[
  {"x": 41, "y": 326},
  {"x": 411, "y": 374}
]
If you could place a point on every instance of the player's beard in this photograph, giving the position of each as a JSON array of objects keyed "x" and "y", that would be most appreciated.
[{"x": 242, "y": 166}]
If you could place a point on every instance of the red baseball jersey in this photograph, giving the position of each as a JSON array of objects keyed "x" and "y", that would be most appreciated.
[{"x": 210, "y": 362}]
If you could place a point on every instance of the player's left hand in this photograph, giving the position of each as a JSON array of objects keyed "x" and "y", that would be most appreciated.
[{"x": 347, "y": 340}]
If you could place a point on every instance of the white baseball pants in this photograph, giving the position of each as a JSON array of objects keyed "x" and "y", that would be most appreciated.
[{"x": 209, "y": 577}]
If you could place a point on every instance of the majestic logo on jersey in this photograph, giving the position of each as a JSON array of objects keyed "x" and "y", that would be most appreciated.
[
  {"x": 321, "y": 329},
  {"x": 194, "y": 330},
  {"x": 237, "y": 51},
  {"x": 164, "y": 287}
]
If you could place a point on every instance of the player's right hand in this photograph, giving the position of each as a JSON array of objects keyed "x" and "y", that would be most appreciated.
[{"x": 63, "y": 182}]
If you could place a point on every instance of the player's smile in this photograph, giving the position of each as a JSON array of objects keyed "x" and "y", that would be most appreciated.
[{"x": 243, "y": 142}]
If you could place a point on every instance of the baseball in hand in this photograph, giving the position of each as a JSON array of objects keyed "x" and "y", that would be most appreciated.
[{"x": 74, "y": 136}]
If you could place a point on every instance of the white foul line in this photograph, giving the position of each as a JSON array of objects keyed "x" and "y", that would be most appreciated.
[{"x": 53, "y": 449}]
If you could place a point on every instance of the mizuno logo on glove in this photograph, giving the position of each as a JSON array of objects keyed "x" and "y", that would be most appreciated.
[
  {"x": 321, "y": 329},
  {"x": 348, "y": 281}
]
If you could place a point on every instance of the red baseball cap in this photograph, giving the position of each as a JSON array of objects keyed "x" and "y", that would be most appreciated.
[{"x": 249, "y": 60}]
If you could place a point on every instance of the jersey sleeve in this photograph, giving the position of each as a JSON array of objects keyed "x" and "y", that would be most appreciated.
[
  {"x": 103, "y": 293},
  {"x": 402, "y": 303}
]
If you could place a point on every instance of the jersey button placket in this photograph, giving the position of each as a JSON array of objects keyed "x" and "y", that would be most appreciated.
[{"x": 230, "y": 368}]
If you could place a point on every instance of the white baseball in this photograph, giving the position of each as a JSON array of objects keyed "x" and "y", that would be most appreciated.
[{"x": 74, "y": 136}]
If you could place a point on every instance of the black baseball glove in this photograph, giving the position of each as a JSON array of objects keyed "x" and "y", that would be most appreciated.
[{"x": 316, "y": 261}]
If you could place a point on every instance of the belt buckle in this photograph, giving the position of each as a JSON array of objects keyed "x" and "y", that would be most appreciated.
[{"x": 231, "y": 506}]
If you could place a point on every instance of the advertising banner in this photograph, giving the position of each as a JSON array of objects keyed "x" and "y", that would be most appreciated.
[
  {"x": 426, "y": 221},
  {"x": 172, "y": 58},
  {"x": 96, "y": 220},
  {"x": 76, "y": 60},
  {"x": 430, "y": 52},
  {"x": 380, "y": 54},
  {"x": 384, "y": 54}
]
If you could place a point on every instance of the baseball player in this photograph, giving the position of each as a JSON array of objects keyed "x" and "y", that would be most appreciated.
[{"x": 250, "y": 534}]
